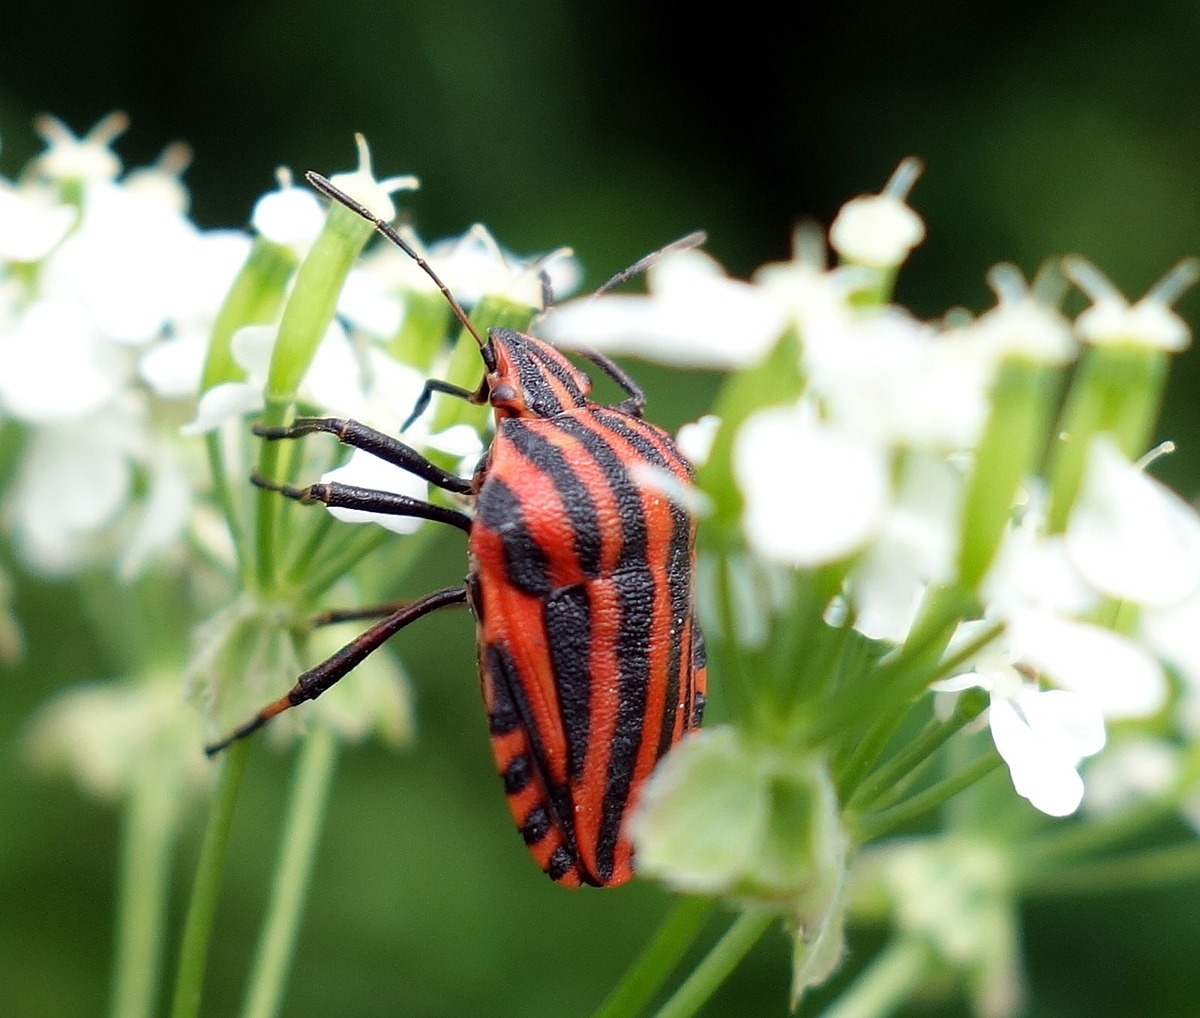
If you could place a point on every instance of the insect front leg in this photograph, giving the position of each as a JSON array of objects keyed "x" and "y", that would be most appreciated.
[
  {"x": 359, "y": 436},
  {"x": 316, "y": 680},
  {"x": 477, "y": 396}
]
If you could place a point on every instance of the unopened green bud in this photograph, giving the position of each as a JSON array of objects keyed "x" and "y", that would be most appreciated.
[
  {"x": 1117, "y": 389},
  {"x": 1012, "y": 445},
  {"x": 426, "y": 316},
  {"x": 723, "y": 815},
  {"x": 253, "y": 299}
]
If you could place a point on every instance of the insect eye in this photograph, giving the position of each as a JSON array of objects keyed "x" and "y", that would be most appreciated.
[{"x": 502, "y": 393}]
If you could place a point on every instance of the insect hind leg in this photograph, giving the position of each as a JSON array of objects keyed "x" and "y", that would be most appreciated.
[{"x": 316, "y": 680}]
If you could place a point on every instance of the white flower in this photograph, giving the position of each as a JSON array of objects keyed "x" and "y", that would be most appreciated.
[
  {"x": 695, "y": 440},
  {"x": 1150, "y": 322},
  {"x": 291, "y": 216},
  {"x": 879, "y": 230},
  {"x": 133, "y": 263},
  {"x": 362, "y": 186},
  {"x": 694, "y": 316},
  {"x": 813, "y": 494},
  {"x": 333, "y": 380},
  {"x": 31, "y": 223},
  {"x": 916, "y": 547},
  {"x": 160, "y": 181},
  {"x": 85, "y": 160},
  {"x": 954, "y": 892},
  {"x": 104, "y": 734},
  {"x": 56, "y": 367},
  {"x": 1135, "y": 768},
  {"x": 474, "y": 266},
  {"x": 1042, "y": 734},
  {"x": 1033, "y": 587},
  {"x": 1130, "y": 536},
  {"x": 1021, "y": 325},
  {"x": 893, "y": 380}
]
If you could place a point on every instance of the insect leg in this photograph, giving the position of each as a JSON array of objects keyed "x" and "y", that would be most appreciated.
[
  {"x": 347, "y": 496},
  {"x": 390, "y": 450},
  {"x": 637, "y": 398},
  {"x": 376, "y": 611},
  {"x": 432, "y": 385},
  {"x": 316, "y": 680}
]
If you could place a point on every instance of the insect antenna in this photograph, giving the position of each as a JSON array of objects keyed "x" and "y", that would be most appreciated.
[
  {"x": 323, "y": 185},
  {"x": 692, "y": 240}
]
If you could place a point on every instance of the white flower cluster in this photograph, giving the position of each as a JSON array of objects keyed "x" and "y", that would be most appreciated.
[
  {"x": 870, "y": 469},
  {"x": 106, "y": 290},
  {"x": 108, "y": 294}
]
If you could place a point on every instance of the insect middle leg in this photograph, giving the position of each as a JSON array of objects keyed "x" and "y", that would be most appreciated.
[
  {"x": 349, "y": 496},
  {"x": 316, "y": 680}
]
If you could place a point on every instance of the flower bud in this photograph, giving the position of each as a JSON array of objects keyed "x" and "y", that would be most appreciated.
[{"x": 723, "y": 815}]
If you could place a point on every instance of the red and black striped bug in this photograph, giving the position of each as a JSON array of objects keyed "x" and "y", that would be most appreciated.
[{"x": 580, "y": 580}]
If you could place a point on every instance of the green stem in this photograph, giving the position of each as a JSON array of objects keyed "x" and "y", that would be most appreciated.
[
  {"x": 302, "y": 830},
  {"x": 224, "y": 496},
  {"x": 658, "y": 959},
  {"x": 268, "y": 502},
  {"x": 733, "y": 674},
  {"x": 970, "y": 705},
  {"x": 329, "y": 571},
  {"x": 717, "y": 965},
  {"x": 1143, "y": 869},
  {"x": 1074, "y": 840},
  {"x": 891, "y": 978},
  {"x": 193, "y": 952},
  {"x": 875, "y": 825},
  {"x": 151, "y": 815}
]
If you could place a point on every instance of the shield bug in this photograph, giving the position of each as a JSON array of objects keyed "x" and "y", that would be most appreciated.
[{"x": 580, "y": 581}]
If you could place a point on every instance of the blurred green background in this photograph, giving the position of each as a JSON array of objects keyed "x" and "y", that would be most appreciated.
[{"x": 613, "y": 127}]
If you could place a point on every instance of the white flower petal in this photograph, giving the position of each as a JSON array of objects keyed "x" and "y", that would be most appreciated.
[
  {"x": 1047, "y": 778},
  {"x": 1133, "y": 769},
  {"x": 223, "y": 402},
  {"x": 825, "y": 506},
  {"x": 1175, "y": 634},
  {"x": 334, "y": 379},
  {"x": 251, "y": 347},
  {"x": 163, "y": 516},
  {"x": 55, "y": 368},
  {"x": 30, "y": 228},
  {"x": 71, "y": 482},
  {"x": 1121, "y": 678},
  {"x": 1069, "y": 722},
  {"x": 291, "y": 216},
  {"x": 877, "y": 230},
  {"x": 366, "y": 303},
  {"x": 695, "y": 440},
  {"x": 172, "y": 367},
  {"x": 1131, "y": 536},
  {"x": 694, "y": 317}
]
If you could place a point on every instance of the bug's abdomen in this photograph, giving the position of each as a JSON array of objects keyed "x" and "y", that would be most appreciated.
[{"x": 584, "y": 596}]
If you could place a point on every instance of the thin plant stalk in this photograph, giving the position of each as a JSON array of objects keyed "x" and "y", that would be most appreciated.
[
  {"x": 884, "y": 985},
  {"x": 658, "y": 959},
  {"x": 193, "y": 952},
  {"x": 313, "y": 779},
  {"x": 717, "y": 965},
  {"x": 150, "y": 827},
  {"x": 876, "y": 825}
]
